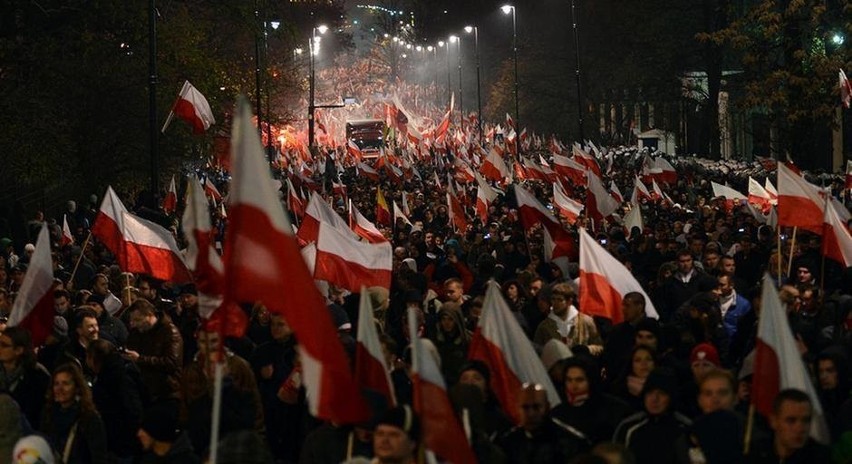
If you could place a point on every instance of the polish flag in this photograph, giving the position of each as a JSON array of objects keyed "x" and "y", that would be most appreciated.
[
  {"x": 398, "y": 213},
  {"x": 799, "y": 203},
  {"x": 339, "y": 188},
  {"x": 640, "y": 192},
  {"x": 569, "y": 169},
  {"x": 599, "y": 203},
  {"x": 485, "y": 195},
  {"x": 778, "y": 363},
  {"x": 371, "y": 371},
  {"x": 836, "y": 242},
  {"x": 170, "y": 202},
  {"x": 464, "y": 173},
  {"x": 534, "y": 171},
  {"x": 211, "y": 190},
  {"x": 848, "y": 175},
  {"x": 657, "y": 192},
  {"x": 318, "y": 211},
  {"x": 633, "y": 218},
  {"x": 604, "y": 281},
  {"x": 500, "y": 342},
  {"x": 559, "y": 246},
  {"x": 757, "y": 195},
  {"x": 138, "y": 245},
  {"x": 383, "y": 215},
  {"x": 206, "y": 264},
  {"x": 352, "y": 149},
  {"x": 569, "y": 208},
  {"x": 192, "y": 107},
  {"x": 586, "y": 160},
  {"x": 436, "y": 179},
  {"x": 616, "y": 193},
  {"x": 263, "y": 263},
  {"x": 667, "y": 173},
  {"x": 33, "y": 307},
  {"x": 367, "y": 171},
  {"x": 363, "y": 227},
  {"x": 67, "y": 237},
  {"x": 770, "y": 189},
  {"x": 349, "y": 263},
  {"x": 454, "y": 207},
  {"x": 494, "y": 168},
  {"x": 845, "y": 89},
  {"x": 405, "y": 208},
  {"x": 510, "y": 122},
  {"x": 442, "y": 432},
  {"x": 294, "y": 202},
  {"x": 726, "y": 192}
]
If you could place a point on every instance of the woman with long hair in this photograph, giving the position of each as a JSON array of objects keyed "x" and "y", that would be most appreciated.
[
  {"x": 71, "y": 422},
  {"x": 628, "y": 387},
  {"x": 20, "y": 375}
]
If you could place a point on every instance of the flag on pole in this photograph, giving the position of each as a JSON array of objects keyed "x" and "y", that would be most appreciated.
[
  {"x": 836, "y": 241},
  {"x": 604, "y": 281},
  {"x": 33, "y": 307},
  {"x": 192, "y": 107},
  {"x": 569, "y": 208},
  {"x": 778, "y": 364},
  {"x": 349, "y": 263},
  {"x": 363, "y": 227},
  {"x": 371, "y": 372},
  {"x": 845, "y": 90},
  {"x": 799, "y": 203},
  {"x": 383, "y": 215},
  {"x": 263, "y": 263},
  {"x": 170, "y": 202},
  {"x": 442, "y": 433},
  {"x": 67, "y": 236},
  {"x": 500, "y": 342}
]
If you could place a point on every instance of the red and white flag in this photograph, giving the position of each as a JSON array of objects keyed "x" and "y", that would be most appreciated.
[
  {"x": 632, "y": 219},
  {"x": 510, "y": 123},
  {"x": 848, "y": 175},
  {"x": 67, "y": 237},
  {"x": 667, "y": 173},
  {"x": 371, "y": 370},
  {"x": 726, "y": 192},
  {"x": 836, "y": 241},
  {"x": 366, "y": 170},
  {"x": 206, "y": 264},
  {"x": 778, "y": 363},
  {"x": 799, "y": 203},
  {"x": 758, "y": 196},
  {"x": 771, "y": 190},
  {"x": 559, "y": 246},
  {"x": 349, "y": 263},
  {"x": 33, "y": 307},
  {"x": 845, "y": 89},
  {"x": 616, "y": 193},
  {"x": 604, "y": 281},
  {"x": 485, "y": 195},
  {"x": 352, "y": 149},
  {"x": 139, "y": 245},
  {"x": 599, "y": 203},
  {"x": 569, "y": 208},
  {"x": 192, "y": 107},
  {"x": 569, "y": 169},
  {"x": 494, "y": 168},
  {"x": 398, "y": 213},
  {"x": 170, "y": 202},
  {"x": 500, "y": 342},
  {"x": 442, "y": 432},
  {"x": 586, "y": 159},
  {"x": 318, "y": 211},
  {"x": 263, "y": 263},
  {"x": 294, "y": 201},
  {"x": 639, "y": 192},
  {"x": 363, "y": 227},
  {"x": 455, "y": 210},
  {"x": 211, "y": 190}
]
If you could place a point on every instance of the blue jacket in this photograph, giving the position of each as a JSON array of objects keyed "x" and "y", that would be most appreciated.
[{"x": 735, "y": 312}]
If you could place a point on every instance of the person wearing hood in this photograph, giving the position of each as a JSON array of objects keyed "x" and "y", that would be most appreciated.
[
  {"x": 160, "y": 438},
  {"x": 452, "y": 341},
  {"x": 832, "y": 369},
  {"x": 650, "y": 433},
  {"x": 585, "y": 406},
  {"x": 478, "y": 374}
]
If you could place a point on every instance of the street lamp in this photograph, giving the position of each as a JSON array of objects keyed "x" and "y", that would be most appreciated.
[
  {"x": 449, "y": 82},
  {"x": 457, "y": 40},
  {"x": 475, "y": 30},
  {"x": 577, "y": 45},
  {"x": 506, "y": 10},
  {"x": 313, "y": 48}
]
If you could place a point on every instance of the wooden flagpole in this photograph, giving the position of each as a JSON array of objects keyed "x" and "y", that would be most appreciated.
[
  {"x": 792, "y": 248},
  {"x": 80, "y": 258}
]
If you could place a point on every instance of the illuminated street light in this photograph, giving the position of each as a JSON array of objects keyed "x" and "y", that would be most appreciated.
[
  {"x": 506, "y": 10},
  {"x": 314, "y": 48},
  {"x": 475, "y": 31}
]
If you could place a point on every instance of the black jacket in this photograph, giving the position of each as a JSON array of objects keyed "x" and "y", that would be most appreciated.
[
  {"x": 118, "y": 393},
  {"x": 652, "y": 439},
  {"x": 180, "y": 453},
  {"x": 550, "y": 444},
  {"x": 27, "y": 386}
]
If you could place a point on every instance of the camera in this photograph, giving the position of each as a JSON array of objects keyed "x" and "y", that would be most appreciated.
[{"x": 486, "y": 236}]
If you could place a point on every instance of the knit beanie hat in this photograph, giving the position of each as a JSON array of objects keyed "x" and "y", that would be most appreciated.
[{"x": 402, "y": 417}]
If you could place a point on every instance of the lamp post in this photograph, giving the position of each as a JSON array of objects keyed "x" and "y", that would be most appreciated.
[
  {"x": 449, "y": 83},
  {"x": 577, "y": 46},
  {"x": 506, "y": 10},
  {"x": 475, "y": 30},
  {"x": 152, "y": 97},
  {"x": 313, "y": 49},
  {"x": 457, "y": 40}
]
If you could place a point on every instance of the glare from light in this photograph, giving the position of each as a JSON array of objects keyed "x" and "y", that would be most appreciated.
[
  {"x": 419, "y": 48},
  {"x": 507, "y": 9},
  {"x": 408, "y": 46},
  {"x": 453, "y": 39},
  {"x": 837, "y": 38},
  {"x": 322, "y": 28},
  {"x": 440, "y": 43},
  {"x": 468, "y": 29},
  {"x": 387, "y": 35},
  {"x": 275, "y": 24},
  {"x": 298, "y": 51},
  {"x": 430, "y": 48}
]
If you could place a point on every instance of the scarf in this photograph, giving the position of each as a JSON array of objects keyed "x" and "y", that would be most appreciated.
[
  {"x": 564, "y": 326},
  {"x": 725, "y": 302},
  {"x": 635, "y": 384},
  {"x": 577, "y": 399}
]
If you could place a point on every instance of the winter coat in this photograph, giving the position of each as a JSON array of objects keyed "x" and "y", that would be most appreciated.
[
  {"x": 89, "y": 443},
  {"x": 27, "y": 385},
  {"x": 180, "y": 453},
  {"x": 651, "y": 438},
  {"x": 117, "y": 393},
  {"x": 160, "y": 358},
  {"x": 549, "y": 444}
]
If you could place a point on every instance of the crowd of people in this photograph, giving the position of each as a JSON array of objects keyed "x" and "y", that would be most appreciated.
[{"x": 127, "y": 374}]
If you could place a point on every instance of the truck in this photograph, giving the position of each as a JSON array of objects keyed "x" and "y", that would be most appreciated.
[{"x": 367, "y": 134}]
